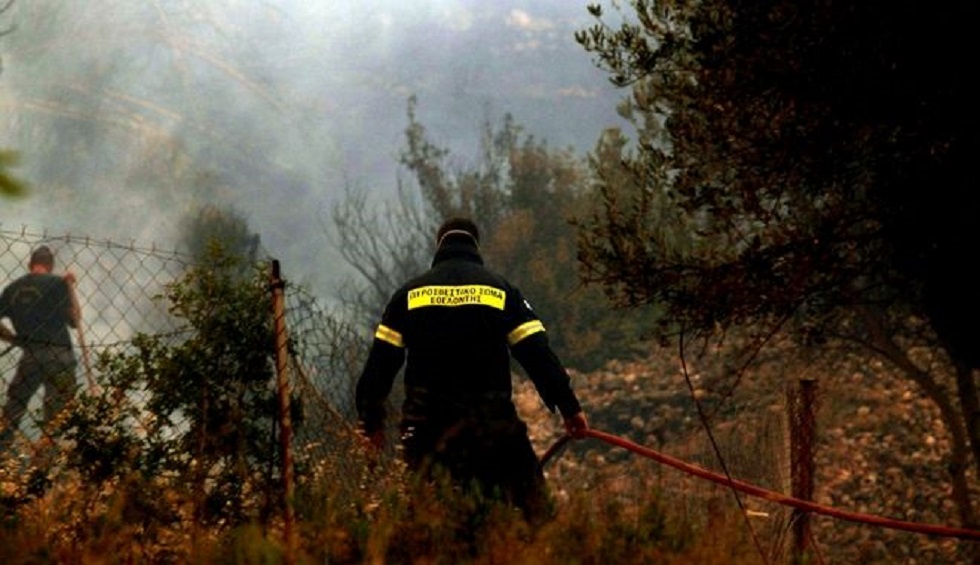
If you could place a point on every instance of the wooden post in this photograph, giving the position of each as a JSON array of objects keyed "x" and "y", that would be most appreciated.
[
  {"x": 802, "y": 433},
  {"x": 77, "y": 313},
  {"x": 277, "y": 286}
]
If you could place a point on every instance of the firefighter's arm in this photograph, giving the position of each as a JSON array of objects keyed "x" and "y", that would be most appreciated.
[
  {"x": 547, "y": 373},
  {"x": 74, "y": 310},
  {"x": 551, "y": 381},
  {"x": 375, "y": 383},
  {"x": 529, "y": 345}
]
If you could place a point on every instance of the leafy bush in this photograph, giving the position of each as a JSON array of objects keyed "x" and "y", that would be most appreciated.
[{"x": 197, "y": 406}]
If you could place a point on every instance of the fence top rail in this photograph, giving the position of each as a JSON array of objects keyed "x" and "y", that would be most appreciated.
[{"x": 26, "y": 234}]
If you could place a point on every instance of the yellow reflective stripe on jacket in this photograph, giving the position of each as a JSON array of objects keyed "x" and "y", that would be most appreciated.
[
  {"x": 524, "y": 330},
  {"x": 389, "y": 335},
  {"x": 461, "y": 295}
]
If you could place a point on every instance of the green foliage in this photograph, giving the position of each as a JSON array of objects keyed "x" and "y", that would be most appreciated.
[
  {"x": 533, "y": 243},
  {"x": 211, "y": 226},
  {"x": 10, "y": 186},
  {"x": 476, "y": 191},
  {"x": 806, "y": 168},
  {"x": 786, "y": 161},
  {"x": 199, "y": 405}
]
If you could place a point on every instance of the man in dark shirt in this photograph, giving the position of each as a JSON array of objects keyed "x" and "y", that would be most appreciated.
[
  {"x": 40, "y": 307},
  {"x": 459, "y": 324}
]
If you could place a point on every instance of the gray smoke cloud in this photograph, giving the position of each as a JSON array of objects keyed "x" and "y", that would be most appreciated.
[{"x": 129, "y": 115}]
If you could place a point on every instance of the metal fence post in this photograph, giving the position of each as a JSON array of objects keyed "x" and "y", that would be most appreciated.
[{"x": 277, "y": 286}]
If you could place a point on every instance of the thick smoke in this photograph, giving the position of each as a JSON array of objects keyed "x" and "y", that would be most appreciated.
[{"x": 131, "y": 115}]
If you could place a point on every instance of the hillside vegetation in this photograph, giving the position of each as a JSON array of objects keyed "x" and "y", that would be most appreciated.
[{"x": 880, "y": 450}]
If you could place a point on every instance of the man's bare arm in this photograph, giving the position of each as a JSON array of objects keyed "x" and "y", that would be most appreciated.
[
  {"x": 75, "y": 311},
  {"x": 6, "y": 334}
]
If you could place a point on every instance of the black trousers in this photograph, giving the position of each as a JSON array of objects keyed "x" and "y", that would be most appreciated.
[{"x": 494, "y": 455}]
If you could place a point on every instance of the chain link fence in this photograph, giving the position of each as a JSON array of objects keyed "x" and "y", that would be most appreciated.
[
  {"x": 122, "y": 291},
  {"x": 117, "y": 290}
]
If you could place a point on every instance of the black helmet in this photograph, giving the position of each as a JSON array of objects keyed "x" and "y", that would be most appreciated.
[{"x": 457, "y": 226}]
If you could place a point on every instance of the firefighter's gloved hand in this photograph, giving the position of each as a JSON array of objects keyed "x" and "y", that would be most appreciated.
[{"x": 577, "y": 425}]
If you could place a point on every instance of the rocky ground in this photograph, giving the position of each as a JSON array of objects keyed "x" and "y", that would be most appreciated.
[{"x": 880, "y": 447}]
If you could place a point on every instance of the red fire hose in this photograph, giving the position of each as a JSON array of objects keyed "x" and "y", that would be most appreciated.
[{"x": 752, "y": 490}]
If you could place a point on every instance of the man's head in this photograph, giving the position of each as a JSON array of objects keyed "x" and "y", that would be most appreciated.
[
  {"x": 457, "y": 227},
  {"x": 42, "y": 257}
]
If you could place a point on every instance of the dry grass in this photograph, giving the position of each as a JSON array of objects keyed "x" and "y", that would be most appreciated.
[
  {"x": 611, "y": 508},
  {"x": 388, "y": 521}
]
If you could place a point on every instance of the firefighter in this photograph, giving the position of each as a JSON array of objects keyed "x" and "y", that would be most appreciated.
[{"x": 459, "y": 324}]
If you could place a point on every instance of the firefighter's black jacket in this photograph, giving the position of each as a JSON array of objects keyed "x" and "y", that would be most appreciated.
[{"x": 459, "y": 324}]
